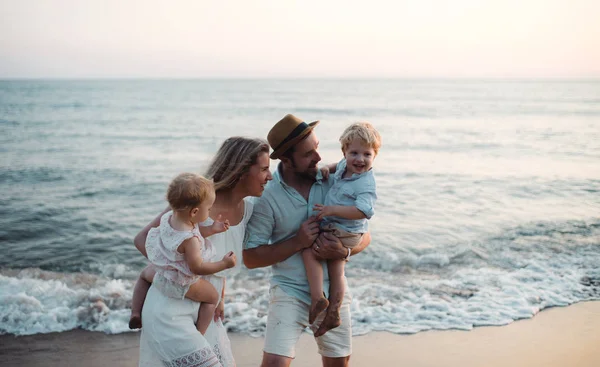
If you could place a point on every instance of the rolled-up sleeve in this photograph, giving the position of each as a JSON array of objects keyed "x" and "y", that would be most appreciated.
[
  {"x": 260, "y": 226},
  {"x": 365, "y": 201}
]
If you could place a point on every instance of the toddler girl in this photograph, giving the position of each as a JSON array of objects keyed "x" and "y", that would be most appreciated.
[{"x": 180, "y": 254}]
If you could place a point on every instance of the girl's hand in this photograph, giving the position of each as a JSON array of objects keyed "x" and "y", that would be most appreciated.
[
  {"x": 220, "y": 311},
  {"x": 230, "y": 259},
  {"x": 219, "y": 225},
  {"x": 325, "y": 172},
  {"x": 323, "y": 211}
]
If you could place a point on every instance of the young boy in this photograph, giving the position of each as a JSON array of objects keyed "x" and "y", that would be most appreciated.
[{"x": 348, "y": 205}]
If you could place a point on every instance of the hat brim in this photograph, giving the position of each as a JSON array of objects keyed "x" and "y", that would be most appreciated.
[{"x": 282, "y": 149}]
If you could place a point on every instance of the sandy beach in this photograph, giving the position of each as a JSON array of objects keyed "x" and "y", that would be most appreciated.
[{"x": 556, "y": 337}]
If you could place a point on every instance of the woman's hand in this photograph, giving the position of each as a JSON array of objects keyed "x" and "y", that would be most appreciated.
[{"x": 220, "y": 311}]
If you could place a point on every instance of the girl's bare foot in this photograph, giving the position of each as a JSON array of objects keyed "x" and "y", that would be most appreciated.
[
  {"x": 316, "y": 307},
  {"x": 331, "y": 321},
  {"x": 135, "y": 322}
]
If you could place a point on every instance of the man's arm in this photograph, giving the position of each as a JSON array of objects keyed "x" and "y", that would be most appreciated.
[
  {"x": 329, "y": 247},
  {"x": 140, "y": 239},
  {"x": 267, "y": 255}
]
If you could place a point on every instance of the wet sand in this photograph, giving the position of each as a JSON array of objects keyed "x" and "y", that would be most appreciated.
[{"x": 558, "y": 337}]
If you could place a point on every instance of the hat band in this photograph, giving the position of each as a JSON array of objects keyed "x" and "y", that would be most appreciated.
[{"x": 297, "y": 131}]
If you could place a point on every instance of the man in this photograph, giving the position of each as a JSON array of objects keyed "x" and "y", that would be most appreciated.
[{"x": 282, "y": 226}]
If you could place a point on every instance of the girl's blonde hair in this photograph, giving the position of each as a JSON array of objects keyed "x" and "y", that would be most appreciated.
[
  {"x": 363, "y": 131},
  {"x": 189, "y": 190},
  {"x": 234, "y": 158}
]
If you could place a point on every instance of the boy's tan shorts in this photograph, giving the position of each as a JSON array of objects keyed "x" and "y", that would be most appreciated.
[{"x": 349, "y": 240}]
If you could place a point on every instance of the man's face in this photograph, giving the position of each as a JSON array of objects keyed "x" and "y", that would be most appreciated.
[{"x": 305, "y": 157}]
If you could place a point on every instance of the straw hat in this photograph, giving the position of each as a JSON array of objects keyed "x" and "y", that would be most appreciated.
[{"x": 286, "y": 133}]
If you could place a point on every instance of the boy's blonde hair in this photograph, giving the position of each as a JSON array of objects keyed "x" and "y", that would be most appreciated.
[
  {"x": 363, "y": 131},
  {"x": 188, "y": 190}
]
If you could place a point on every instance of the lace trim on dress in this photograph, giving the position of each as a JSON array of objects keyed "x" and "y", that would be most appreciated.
[{"x": 200, "y": 358}]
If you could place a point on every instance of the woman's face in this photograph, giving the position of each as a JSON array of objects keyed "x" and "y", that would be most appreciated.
[{"x": 256, "y": 178}]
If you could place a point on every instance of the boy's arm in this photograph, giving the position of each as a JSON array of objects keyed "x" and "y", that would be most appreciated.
[
  {"x": 193, "y": 257},
  {"x": 342, "y": 211},
  {"x": 332, "y": 167},
  {"x": 140, "y": 239}
]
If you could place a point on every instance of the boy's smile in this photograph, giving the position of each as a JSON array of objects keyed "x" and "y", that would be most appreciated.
[{"x": 359, "y": 157}]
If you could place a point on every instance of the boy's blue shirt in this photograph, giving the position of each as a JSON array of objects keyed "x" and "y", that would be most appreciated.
[{"x": 359, "y": 190}]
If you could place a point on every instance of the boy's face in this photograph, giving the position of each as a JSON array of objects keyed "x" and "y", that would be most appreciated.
[
  {"x": 359, "y": 156},
  {"x": 200, "y": 214}
]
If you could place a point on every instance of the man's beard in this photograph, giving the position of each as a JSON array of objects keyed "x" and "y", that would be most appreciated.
[{"x": 309, "y": 173}]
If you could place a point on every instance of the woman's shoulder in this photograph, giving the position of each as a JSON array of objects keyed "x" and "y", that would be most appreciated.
[{"x": 248, "y": 207}]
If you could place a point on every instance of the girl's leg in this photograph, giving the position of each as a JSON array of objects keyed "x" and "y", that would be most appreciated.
[
  {"x": 205, "y": 293},
  {"x": 314, "y": 273},
  {"x": 336, "y": 296},
  {"x": 139, "y": 296}
]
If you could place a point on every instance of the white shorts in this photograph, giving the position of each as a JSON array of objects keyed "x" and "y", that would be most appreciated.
[{"x": 287, "y": 319}]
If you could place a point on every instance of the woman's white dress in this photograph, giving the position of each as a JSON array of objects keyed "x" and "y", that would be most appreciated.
[{"x": 169, "y": 335}]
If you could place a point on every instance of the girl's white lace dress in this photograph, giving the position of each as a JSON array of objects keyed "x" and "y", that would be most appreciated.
[{"x": 169, "y": 335}]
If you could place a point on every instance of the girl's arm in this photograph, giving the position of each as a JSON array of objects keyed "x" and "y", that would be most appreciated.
[
  {"x": 140, "y": 239},
  {"x": 193, "y": 257},
  {"x": 342, "y": 211},
  {"x": 219, "y": 225}
]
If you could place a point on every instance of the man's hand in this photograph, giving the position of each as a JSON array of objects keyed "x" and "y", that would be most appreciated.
[
  {"x": 329, "y": 247},
  {"x": 220, "y": 311},
  {"x": 308, "y": 232}
]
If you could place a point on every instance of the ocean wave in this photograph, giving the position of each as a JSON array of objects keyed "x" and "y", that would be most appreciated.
[{"x": 494, "y": 281}]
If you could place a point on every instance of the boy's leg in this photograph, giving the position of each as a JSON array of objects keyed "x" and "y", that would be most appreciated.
[
  {"x": 205, "y": 293},
  {"x": 336, "y": 345},
  {"x": 139, "y": 296},
  {"x": 314, "y": 273},
  {"x": 336, "y": 296}
]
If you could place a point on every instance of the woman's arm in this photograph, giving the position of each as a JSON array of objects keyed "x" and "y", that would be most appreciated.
[
  {"x": 140, "y": 239},
  {"x": 220, "y": 310}
]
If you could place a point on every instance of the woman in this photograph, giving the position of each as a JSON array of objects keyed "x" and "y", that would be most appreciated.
[{"x": 169, "y": 336}]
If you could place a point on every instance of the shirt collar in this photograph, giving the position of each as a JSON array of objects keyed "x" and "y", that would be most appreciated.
[{"x": 341, "y": 168}]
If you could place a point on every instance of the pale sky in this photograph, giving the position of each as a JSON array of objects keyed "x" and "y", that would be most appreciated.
[{"x": 280, "y": 38}]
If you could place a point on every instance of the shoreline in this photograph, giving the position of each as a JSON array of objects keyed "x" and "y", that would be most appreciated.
[{"x": 559, "y": 336}]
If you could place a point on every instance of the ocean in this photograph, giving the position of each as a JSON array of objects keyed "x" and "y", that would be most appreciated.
[{"x": 488, "y": 209}]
